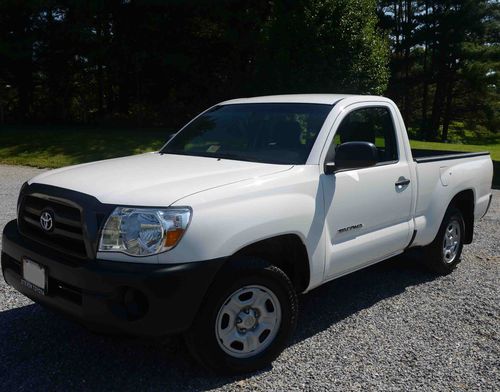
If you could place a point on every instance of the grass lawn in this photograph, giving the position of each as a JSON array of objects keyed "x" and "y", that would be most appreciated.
[
  {"x": 56, "y": 147},
  {"x": 494, "y": 149}
]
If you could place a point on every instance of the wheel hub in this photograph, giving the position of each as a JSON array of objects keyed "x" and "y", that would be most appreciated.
[
  {"x": 247, "y": 319},
  {"x": 451, "y": 241}
]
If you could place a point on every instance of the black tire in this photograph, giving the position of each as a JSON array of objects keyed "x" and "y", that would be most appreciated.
[
  {"x": 436, "y": 259},
  {"x": 202, "y": 340}
]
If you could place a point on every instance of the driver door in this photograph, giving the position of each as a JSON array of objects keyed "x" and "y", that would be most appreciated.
[{"x": 367, "y": 215}]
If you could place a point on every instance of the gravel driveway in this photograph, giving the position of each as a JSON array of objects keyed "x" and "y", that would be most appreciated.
[{"x": 390, "y": 327}]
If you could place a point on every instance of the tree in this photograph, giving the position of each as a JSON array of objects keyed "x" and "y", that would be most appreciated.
[
  {"x": 324, "y": 46},
  {"x": 148, "y": 62},
  {"x": 437, "y": 48}
]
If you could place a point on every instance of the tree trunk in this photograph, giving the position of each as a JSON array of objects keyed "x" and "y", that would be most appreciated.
[
  {"x": 396, "y": 21},
  {"x": 406, "y": 40},
  {"x": 25, "y": 88},
  {"x": 100, "y": 70},
  {"x": 437, "y": 107},
  {"x": 447, "y": 109},
  {"x": 425, "y": 98},
  {"x": 100, "y": 89},
  {"x": 441, "y": 85},
  {"x": 425, "y": 78}
]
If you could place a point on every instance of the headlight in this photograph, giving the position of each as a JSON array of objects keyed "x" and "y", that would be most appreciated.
[{"x": 144, "y": 231}]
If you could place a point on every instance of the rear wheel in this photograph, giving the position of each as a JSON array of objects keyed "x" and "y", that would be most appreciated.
[
  {"x": 247, "y": 318},
  {"x": 443, "y": 254}
]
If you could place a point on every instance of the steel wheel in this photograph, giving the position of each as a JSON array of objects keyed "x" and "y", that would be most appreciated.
[
  {"x": 248, "y": 321},
  {"x": 451, "y": 241}
]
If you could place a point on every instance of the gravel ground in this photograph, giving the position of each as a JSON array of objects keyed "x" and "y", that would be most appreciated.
[{"x": 390, "y": 327}]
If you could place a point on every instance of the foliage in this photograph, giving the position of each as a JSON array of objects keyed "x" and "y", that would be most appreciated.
[
  {"x": 151, "y": 63},
  {"x": 146, "y": 63},
  {"x": 445, "y": 63}
]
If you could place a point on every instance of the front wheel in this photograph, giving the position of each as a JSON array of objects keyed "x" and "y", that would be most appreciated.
[
  {"x": 443, "y": 254},
  {"x": 247, "y": 318}
]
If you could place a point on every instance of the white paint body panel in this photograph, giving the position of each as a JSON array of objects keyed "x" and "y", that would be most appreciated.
[
  {"x": 238, "y": 203},
  {"x": 366, "y": 197},
  {"x": 433, "y": 197},
  {"x": 153, "y": 179}
]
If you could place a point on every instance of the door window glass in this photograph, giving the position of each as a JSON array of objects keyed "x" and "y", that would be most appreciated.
[{"x": 372, "y": 125}]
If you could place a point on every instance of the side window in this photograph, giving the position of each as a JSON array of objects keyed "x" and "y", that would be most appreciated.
[{"x": 372, "y": 125}]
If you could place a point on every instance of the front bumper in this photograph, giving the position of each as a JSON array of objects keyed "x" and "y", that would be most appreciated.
[{"x": 129, "y": 298}]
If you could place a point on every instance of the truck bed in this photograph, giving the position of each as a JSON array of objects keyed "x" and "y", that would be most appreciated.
[
  {"x": 422, "y": 156},
  {"x": 441, "y": 176}
]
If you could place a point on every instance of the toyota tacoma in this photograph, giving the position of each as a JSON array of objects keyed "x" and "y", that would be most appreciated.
[{"x": 253, "y": 202}]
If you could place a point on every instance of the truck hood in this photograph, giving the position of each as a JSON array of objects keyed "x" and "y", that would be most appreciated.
[{"x": 153, "y": 179}]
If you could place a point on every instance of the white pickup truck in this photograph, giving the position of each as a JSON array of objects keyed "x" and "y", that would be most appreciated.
[{"x": 251, "y": 203}]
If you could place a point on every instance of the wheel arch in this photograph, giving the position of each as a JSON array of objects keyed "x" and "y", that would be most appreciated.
[
  {"x": 465, "y": 201},
  {"x": 288, "y": 252}
]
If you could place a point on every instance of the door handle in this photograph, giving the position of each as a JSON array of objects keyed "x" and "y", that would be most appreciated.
[{"x": 401, "y": 182}]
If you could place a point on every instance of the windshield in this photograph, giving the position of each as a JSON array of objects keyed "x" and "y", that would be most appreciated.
[{"x": 281, "y": 133}]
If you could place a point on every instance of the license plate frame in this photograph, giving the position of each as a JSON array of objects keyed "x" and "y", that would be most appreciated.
[{"x": 34, "y": 276}]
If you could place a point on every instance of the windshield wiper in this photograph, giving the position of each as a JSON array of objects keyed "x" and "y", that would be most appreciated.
[
  {"x": 208, "y": 155},
  {"x": 232, "y": 157}
]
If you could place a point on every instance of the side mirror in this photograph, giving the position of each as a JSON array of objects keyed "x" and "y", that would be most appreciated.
[{"x": 353, "y": 155}]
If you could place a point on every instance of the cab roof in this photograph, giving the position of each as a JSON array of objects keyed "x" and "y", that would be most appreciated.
[{"x": 328, "y": 99}]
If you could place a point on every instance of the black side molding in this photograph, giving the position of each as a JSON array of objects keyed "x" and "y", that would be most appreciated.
[
  {"x": 412, "y": 239},
  {"x": 460, "y": 155},
  {"x": 488, "y": 207}
]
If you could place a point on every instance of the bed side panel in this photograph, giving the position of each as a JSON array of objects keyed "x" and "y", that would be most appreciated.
[{"x": 441, "y": 180}]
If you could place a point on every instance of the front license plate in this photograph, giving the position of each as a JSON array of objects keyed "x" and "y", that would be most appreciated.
[{"x": 34, "y": 276}]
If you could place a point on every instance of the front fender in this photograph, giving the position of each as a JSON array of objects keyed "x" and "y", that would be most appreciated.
[{"x": 231, "y": 217}]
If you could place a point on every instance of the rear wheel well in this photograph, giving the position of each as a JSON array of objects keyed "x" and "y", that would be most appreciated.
[
  {"x": 464, "y": 201},
  {"x": 287, "y": 252}
]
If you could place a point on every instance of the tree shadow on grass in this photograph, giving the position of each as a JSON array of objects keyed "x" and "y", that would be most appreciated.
[
  {"x": 42, "y": 351},
  {"x": 480, "y": 139},
  {"x": 54, "y": 149}
]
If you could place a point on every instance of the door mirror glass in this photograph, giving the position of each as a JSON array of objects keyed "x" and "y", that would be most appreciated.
[{"x": 354, "y": 155}]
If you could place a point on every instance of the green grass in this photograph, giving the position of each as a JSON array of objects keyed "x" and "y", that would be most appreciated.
[
  {"x": 494, "y": 149},
  {"x": 56, "y": 147}
]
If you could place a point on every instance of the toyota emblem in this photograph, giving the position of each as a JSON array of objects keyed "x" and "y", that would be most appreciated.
[{"x": 47, "y": 221}]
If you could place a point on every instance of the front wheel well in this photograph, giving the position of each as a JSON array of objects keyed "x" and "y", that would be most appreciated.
[
  {"x": 464, "y": 201},
  {"x": 287, "y": 252}
]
